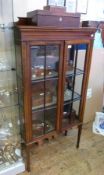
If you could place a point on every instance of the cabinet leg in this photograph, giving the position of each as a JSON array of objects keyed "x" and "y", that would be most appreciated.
[
  {"x": 66, "y": 132},
  {"x": 28, "y": 158},
  {"x": 79, "y": 135}
]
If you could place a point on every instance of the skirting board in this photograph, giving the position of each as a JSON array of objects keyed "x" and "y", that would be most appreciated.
[{"x": 13, "y": 169}]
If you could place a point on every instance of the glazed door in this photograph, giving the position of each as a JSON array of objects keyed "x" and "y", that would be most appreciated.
[
  {"x": 45, "y": 79},
  {"x": 74, "y": 78}
]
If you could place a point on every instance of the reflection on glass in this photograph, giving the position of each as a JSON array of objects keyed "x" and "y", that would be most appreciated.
[
  {"x": 9, "y": 122},
  {"x": 50, "y": 120},
  {"x": 51, "y": 92},
  {"x": 44, "y": 61},
  {"x": 74, "y": 72},
  {"x": 8, "y": 90},
  {"x": 37, "y": 61},
  {"x": 43, "y": 121},
  {"x": 38, "y": 95},
  {"x": 68, "y": 89},
  {"x": 52, "y": 60},
  {"x": 44, "y": 94}
]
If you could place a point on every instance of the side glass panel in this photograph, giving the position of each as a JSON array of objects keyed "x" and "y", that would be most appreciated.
[
  {"x": 74, "y": 73},
  {"x": 8, "y": 89},
  {"x": 44, "y": 76}
]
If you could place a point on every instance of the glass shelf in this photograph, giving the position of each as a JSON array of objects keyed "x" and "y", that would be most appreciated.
[
  {"x": 52, "y": 75},
  {"x": 68, "y": 96},
  {"x": 45, "y": 79},
  {"x": 71, "y": 72},
  {"x": 7, "y": 70},
  {"x": 47, "y": 105},
  {"x": 8, "y": 100},
  {"x": 9, "y": 119}
]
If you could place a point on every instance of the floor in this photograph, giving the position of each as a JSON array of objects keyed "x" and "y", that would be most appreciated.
[{"x": 60, "y": 156}]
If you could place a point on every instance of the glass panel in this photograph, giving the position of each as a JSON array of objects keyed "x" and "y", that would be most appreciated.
[
  {"x": 52, "y": 60},
  {"x": 50, "y": 119},
  {"x": 37, "y": 61},
  {"x": 50, "y": 92},
  {"x": 9, "y": 120},
  {"x": 70, "y": 114},
  {"x": 8, "y": 89},
  {"x": 74, "y": 72},
  {"x": 44, "y": 94},
  {"x": 74, "y": 65},
  {"x": 38, "y": 93},
  {"x": 9, "y": 136},
  {"x": 45, "y": 67},
  {"x": 10, "y": 149},
  {"x": 43, "y": 121},
  {"x": 75, "y": 58},
  {"x": 44, "y": 61},
  {"x": 38, "y": 123}
]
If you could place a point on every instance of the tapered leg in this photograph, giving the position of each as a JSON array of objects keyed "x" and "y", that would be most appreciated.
[
  {"x": 28, "y": 158},
  {"x": 79, "y": 135},
  {"x": 66, "y": 132}
]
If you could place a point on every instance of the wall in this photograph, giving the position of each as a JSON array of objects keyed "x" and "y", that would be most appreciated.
[
  {"x": 20, "y": 8},
  {"x": 95, "y": 10},
  {"x": 96, "y": 81},
  {"x": 33, "y": 5}
]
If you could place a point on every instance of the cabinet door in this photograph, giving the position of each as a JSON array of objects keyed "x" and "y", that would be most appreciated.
[
  {"x": 76, "y": 59},
  {"x": 45, "y": 78}
]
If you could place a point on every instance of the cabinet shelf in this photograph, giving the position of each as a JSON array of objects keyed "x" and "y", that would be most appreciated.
[
  {"x": 69, "y": 98},
  {"x": 8, "y": 98},
  {"x": 66, "y": 124},
  {"x": 45, "y": 79},
  {"x": 46, "y": 107},
  {"x": 7, "y": 70},
  {"x": 9, "y": 106}
]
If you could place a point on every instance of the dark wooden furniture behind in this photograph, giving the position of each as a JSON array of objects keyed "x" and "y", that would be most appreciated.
[
  {"x": 53, "y": 67},
  {"x": 54, "y": 17}
]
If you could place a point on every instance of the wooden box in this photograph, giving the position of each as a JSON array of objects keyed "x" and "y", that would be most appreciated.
[{"x": 54, "y": 18}]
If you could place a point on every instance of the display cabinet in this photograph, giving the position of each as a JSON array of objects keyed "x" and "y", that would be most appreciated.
[
  {"x": 10, "y": 148},
  {"x": 53, "y": 67}
]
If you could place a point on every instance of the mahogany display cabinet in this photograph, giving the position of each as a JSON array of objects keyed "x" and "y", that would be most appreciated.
[{"x": 53, "y": 67}]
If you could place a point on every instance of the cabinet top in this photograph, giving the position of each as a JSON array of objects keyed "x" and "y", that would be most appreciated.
[
  {"x": 52, "y": 33},
  {"x": 49, "y": 28}
]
